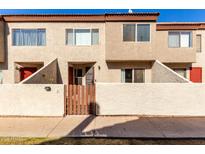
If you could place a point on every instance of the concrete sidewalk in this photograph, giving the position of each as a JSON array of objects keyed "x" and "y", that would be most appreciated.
[{"x": 103, "y": 126}]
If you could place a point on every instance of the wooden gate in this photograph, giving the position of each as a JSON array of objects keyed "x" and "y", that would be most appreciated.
[{"x": 80, "y": 100}]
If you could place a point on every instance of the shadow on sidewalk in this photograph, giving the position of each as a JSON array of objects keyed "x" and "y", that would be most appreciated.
[
  {"x": 138, "y": 131},
  {"x": 79, "y": 129}
]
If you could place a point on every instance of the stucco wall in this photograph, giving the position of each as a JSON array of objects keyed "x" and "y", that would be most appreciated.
[
  {"x": 163, "y": 74},
  {"x": 157, "y": 48},
  {"x": 167, "y": 99},
  {"x": 56, "y": 48},
  {"x": 45, "y": 75},
  {"x": 31, "y": 100},
  {"x": 163, "y": 53},
  {"x": 117, "y": 49}
]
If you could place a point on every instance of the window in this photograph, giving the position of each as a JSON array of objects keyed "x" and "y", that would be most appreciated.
[
  {"x": 132, "y": 75},
  {"x": 180, "y": 39},
  {"x": 128, "y": 75},
  {"x": 138, "y": 75},
  {"x": 78, "y": 76},
  {"x": 89, "y": 75},
  {"x": 69, "y": 37},
  {"x": 136, "y": 32},
  {"x": 174, "y": 39},
  {"x": 185, "y": 39},
  {"x": 28, "y": 37},
  {"x": 95, "y": 36},
  {"x": 143, "y": 33},
  {"x": 198, "y": 43},
  {"x": 181, "y": 71},
  {"x": 129, "y": 32},
  {"x": 82, "y": 36}
]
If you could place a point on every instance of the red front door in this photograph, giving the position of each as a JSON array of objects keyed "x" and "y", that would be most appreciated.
[
  {"x": 27, "y": 71},
  {"x": 196, "y": 74}
]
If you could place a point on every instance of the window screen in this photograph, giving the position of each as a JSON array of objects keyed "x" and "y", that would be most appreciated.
[
  {"x": 129, "y": 32},
  {"x": 70, "y": 37},
  {"x": 95, "y": 36},
  {"x": 174, "y": 38},
  {"x": 143, "y": 32},
  {"x": 138, "y": 75}
]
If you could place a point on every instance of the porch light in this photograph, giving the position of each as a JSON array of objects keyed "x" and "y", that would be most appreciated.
[{"x": 47, "y": 88}]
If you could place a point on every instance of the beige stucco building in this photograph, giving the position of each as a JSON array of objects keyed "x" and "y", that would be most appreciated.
[{"x": 99, "y": 48}]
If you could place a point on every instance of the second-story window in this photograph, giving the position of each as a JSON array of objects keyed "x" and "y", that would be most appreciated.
[
  {"x": 180, "y": 39},
  {"x": 136, "y": 32},
  {"x": 82, "y": 37},
  {"x": 198, "y": 42},
  {"x": 28, "y": 37}
]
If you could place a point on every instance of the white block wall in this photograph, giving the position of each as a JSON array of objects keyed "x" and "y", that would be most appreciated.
[
  {"x": 31, "y": 100},
  {"x": 158, "y": 99}
]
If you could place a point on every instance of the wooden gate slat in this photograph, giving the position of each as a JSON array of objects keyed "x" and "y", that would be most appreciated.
[
  {"x": 70, "y": 99},
  {"x": 91, "y": 99},
  {"x": 74, "y": 99},
  {"x": 86, "y": 99},
  {"x": 82, "y": 107},
  {"x": 94, "y": 104},
  {"x": 78, "y": 105}
]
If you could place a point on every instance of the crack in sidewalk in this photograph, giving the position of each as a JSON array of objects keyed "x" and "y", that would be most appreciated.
[{"x": 54, "y": 127}]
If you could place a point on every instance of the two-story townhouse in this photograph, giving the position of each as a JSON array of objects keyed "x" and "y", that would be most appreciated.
[{"x": 99, "y": 48}]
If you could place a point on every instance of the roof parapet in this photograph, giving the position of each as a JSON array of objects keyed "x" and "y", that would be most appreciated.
[
  {"x": 180, "y": 26},
  {"x": 81, "y": 17}
]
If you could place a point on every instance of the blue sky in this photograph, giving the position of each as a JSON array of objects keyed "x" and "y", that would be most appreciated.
[{"x": 166, "y": 15}]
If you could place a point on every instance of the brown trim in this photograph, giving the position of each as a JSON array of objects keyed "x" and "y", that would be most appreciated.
[
  {"x": 82, "y": 17},
  {"x": 132, "y": 17},
  {"x": 181, "y": 26}
]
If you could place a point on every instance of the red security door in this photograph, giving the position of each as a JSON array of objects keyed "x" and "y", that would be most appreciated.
[
  {"x": 27, "y": 71},
  {"x": 196, "y": 74}
]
